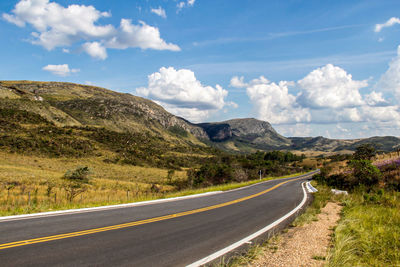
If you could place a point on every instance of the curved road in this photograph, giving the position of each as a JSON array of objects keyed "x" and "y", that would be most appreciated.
[{"x": 172, "y": 233}]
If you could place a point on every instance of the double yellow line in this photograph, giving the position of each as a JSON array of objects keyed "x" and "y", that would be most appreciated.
[{"x": 136, "y": 223}]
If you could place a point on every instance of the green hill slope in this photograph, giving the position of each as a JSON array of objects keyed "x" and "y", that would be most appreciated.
[{"x": 64, "y": 119}]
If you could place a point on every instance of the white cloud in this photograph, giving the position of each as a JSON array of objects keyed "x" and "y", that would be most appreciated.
[
  {"x": 159, "y": 12},
  {"x": 390, "y": 80},
  {"x": 237, "y": 82},
  {"x": 332, "y": 87},
  {"x": 375, "y": 99},
  {"x": 180, "y": 5},
  {"x": 382, "y": 114},
  {"x": 274, "y": 103},
  {"x": 327, "y": 95},
  {"x": 142, "y": 36},
  {"x": 95, "y": 50},
  {"x": 183, "y": 4},
  {"x": 60, "y": 70},
  {"x": 298, "y": 129},
  {"x": 392, "y": 21},
  {"x": 346, "y": 115},
  {"x": 58, "y": 26},
  {"x": 181, "y": 93}
]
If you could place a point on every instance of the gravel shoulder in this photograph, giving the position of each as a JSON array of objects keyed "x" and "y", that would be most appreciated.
[{"x": 305, "y": 245}]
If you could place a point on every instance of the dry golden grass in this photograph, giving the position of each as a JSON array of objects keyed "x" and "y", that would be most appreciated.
[
  {"x": 21, "y": 167},
  {"x": 32, "y": 184}
]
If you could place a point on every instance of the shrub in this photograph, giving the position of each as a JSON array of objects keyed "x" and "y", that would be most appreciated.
[
  {"x": 365, "y": 173},
  {"x": 364, "y": 152},
  {"x": 76, "y": 181}
]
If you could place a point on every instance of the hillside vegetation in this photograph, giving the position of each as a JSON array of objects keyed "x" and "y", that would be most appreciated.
[
  {"x": 368, "y": 233},
  {"x": 66, "y": 145},
  {"x": 68, "y": 104}
]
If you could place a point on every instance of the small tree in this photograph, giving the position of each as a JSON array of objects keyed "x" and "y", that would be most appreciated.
[
  {"x": 364, "y": 152},
  {"x": 170, "y": 175},
  {"x": 365, "y": 173},
  {"x": 76, "y": 181}
]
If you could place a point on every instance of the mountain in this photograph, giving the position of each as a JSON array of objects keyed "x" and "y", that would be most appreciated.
[
  {"x": 249, "y": 135},
  {"x": 244, "y": 135},
  {"x": 65, "y": 119},
  {"x": 100, "y": 119},
  {"x": 68, "y": 104}
]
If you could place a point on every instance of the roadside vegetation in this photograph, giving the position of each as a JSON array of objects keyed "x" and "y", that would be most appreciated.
[
  {"x": 368, "y": 233},
  {"x": 44, "y": 166},
  {"x": 33, "y": 184}
]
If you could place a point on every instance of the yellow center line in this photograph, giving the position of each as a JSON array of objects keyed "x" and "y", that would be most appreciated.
[{"x": 136, "y": 223}]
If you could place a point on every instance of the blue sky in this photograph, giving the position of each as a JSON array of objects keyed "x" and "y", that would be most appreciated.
[{"x": 310, "y": 68}]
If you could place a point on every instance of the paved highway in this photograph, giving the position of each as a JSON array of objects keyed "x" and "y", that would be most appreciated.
[{"x": 174, "y": 233}]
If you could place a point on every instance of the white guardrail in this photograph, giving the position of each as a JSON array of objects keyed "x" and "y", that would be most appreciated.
[{"x": 310, "y": 188}]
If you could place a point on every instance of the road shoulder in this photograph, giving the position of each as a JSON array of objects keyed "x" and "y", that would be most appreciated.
[{"x": 305, "y": 245}]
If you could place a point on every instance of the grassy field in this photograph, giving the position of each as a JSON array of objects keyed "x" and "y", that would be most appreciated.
[
  {"x": 33, "y": 184},
  {"x": 368, "y": 233}
]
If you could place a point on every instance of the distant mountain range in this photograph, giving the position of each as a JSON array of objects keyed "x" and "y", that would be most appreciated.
[{"x": 74, "y": 105}]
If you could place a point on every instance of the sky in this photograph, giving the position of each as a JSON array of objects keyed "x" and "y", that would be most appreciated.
[{"x": 310, "y": 68}]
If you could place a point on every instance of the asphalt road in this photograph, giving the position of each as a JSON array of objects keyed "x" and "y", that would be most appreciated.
[{"x": 175, "y": 233}]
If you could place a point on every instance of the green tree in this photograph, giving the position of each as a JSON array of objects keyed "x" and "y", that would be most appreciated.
[
  {"x": 76, "y": 181},
  {"x": 364, "y": 152},
  {"x": 365, "y": 173},
  {"x": 170, "y": 175}
]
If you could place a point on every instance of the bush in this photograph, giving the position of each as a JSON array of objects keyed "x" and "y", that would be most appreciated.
[
  {"x": 76, "y": 181},
  {"x": 364, "y": 152},
  {"x": 365, "y": 173}
]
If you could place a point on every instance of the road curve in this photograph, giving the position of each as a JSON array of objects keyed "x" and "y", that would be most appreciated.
[{"x": 174, "y": 233}]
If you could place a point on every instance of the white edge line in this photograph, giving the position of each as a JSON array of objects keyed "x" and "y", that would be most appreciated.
[
  {"x": 279, "y": 179},
  {"x": 250, "y": 237},
  {"x": 83, "y": 210}
]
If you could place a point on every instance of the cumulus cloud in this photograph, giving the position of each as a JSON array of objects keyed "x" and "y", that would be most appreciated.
[
  {"x": 274, "y": 103},
  {"x": 298, "y": 129},
  {"x": 375, "y": 99},
  {"x": 381, "y": 114},
  {"x": 390, "y": 80},
  {"x": 159, "y": 12},
  {"x": 59, "y": 26},
  {"x": 327, "y": 95},
  {"x": 237, "y": 82},
  {"x": 182, "y": 94},
  {"x": 392, "y": 21},
  {"x": 95, "y": 50},
  {"x": 60, "y": 70},
  {"x": 142, "y": 36},
  {"x": 330, "y": 86}
]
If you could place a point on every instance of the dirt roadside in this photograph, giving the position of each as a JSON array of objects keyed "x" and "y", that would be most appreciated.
[{"x": 305, "y": 245}]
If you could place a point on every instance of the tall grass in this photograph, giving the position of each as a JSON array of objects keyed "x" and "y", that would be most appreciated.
[
  {"x": 33, "y": 184},
  {"x": 369, "y": 232}
]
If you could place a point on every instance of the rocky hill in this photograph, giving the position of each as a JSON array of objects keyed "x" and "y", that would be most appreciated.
[
  {"x": 245, "y": 135},
  {"x": 68, "y": 104},
  {"x": 74, "y": 106},
  {"x": 65, "y": 119}
]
